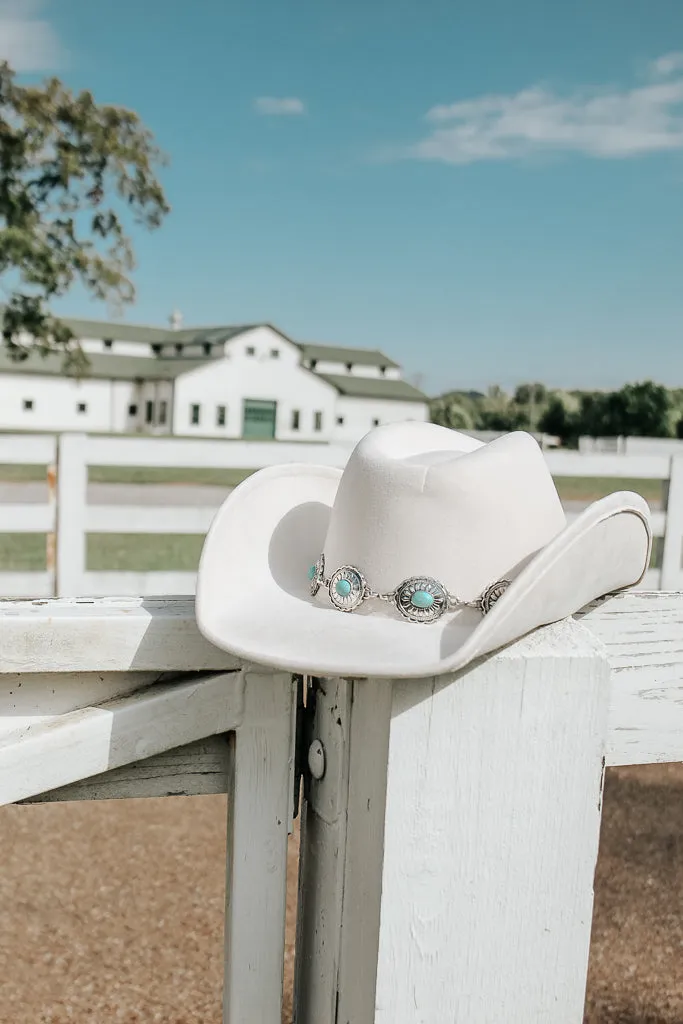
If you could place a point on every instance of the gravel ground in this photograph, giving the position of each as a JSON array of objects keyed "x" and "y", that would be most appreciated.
[{"x": 112, "y": 912}]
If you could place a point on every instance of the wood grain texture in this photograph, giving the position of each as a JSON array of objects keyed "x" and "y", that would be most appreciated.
[
  {"x": 492, "y": 825},
  {"x": 196, "y": 769},
  {"x": 105, "y": 635},
  {"x": 643, "y": 638},
  {"x": 65, "y": 748},
  {"x": 341, "y": 851},
  {"x": 261, "y": 777}
]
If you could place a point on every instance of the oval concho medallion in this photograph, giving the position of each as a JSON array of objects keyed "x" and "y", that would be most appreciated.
[
  {"x": 421, "y": 599},
  {"x": 316, "y": 575},
  {"x": 491, "y": 595},
  {"x": 347, "y": 588}
]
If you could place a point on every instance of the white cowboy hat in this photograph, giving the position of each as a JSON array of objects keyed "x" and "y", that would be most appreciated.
[{"x": 442, "y": 549}]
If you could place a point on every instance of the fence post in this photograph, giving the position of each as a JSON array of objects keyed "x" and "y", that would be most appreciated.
[
  {"x": 672, "y": 553},
  {"x": 72, "y": 486},
  {"x": 490, "y": 835},
  {"x": 260, "y": 788},
  {"x": 340, "y": 877},
  {"x": 51, "y": 537}
]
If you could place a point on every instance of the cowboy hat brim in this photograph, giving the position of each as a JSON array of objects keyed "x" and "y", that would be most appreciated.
[{"x": 253, "y": 594}]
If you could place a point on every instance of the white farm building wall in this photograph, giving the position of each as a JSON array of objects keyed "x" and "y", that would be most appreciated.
[
  {"x": 32, "y": 402},
  {"x": 359, "y": 415},
  {"x": 251, "y": 371}
]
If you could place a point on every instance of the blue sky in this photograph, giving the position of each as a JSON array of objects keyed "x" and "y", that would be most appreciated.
[{"x": 491, "y": 192}]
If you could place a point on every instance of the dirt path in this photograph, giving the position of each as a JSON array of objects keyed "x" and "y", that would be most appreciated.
[{"x": 112, "y": 912}]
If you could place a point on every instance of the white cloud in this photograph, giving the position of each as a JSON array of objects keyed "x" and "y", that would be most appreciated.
[
  {"x": 27, "y": 41},
  {"x": 285, "y": 106},
  {"x": 667, "y": 65},
  {"x": 605, "y": 123}
]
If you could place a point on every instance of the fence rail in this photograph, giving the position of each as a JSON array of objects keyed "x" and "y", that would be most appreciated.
[
  {"x": 449, "y": 845},
  {"x": 67, "y": 518}
]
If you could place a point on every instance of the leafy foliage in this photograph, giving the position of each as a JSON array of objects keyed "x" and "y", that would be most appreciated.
[
  {"x": 645, "y": 409},
  {"x": 74, "y": 177}
]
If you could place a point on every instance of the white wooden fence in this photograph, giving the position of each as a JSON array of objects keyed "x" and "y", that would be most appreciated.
[
  {"x": 67, "y": 517},
  {"x": 450, "y": 826}
]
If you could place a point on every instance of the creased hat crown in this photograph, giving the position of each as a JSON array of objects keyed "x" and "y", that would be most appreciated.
[{"x": 416, "y": 498}]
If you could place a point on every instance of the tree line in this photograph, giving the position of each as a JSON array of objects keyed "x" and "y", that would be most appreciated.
[{"x": 645, "y": 409}]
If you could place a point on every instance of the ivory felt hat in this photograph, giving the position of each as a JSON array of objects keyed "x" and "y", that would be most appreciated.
[{"x": 429, "y": 550}]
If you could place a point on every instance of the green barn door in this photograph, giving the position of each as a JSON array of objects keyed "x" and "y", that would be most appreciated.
[{"x": 259, "y": 419}]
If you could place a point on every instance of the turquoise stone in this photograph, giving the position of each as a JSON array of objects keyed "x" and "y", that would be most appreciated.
[
  {"x": 343, "y": 588},
  {"x": 311, "y": 572},
  {"x": 422, "y": 599}
]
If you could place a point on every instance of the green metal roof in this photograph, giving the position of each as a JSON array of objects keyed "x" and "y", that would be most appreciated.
[
  {"x": 113, "y": 366},
  {"x": 218, "y": 335},
  {"x": 117, "y": 331},
  {"x": 105, "y": 366},
  {"x": 374, "y": 387},
  {"x": 337, "y": 354}
]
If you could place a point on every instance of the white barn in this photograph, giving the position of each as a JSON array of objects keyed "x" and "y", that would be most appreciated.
[{"x": 250, "y": 381}]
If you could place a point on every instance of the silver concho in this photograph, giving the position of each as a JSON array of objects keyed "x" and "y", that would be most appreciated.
[
  {"x": 421, "y": 599},
  {"x": 491, "y": 595},
  {"x": 347, "y": 588},
  {"x": 316, "y": 575}
]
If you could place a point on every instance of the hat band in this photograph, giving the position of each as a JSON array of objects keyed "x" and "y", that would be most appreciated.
[{"x": 419, "y": 598}]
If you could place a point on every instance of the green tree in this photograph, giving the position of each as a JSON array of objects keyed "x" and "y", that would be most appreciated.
[
  {"x": 642, "y": 409},
  {"x": 557, "y": 420},
  {"x": 679, "y": 429},
  {"x": 448, "y": 413},
  {"x": 75, "y": 176},
  {"x": 510, "y": 418},
  {"x": 530, "y": 394},
  {"x": 647, "y": 408}
]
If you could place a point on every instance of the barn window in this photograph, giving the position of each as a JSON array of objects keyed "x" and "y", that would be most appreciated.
[
  {"x": 163, "y": 413},
  {"x": 318, "y": 421},
  {"x": 132, "y": 410},
  {"x": 194, "y": 415},
  {"x": 81, "y": 407},
  {"x": 250, "y": 350},
  {"x": 220, "y": 415},
  {"x": 149, "y": 412},
  {"x": 108, "y": 343},
  {"x": 296, "y": 419},
  {"x": 28, "y": 404}
]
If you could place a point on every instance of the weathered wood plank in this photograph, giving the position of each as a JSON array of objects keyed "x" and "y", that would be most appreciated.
[
  {"x": 63, "y": 749},
  {"x": 491, "y": 836},
  {"x": 643, "y": 634},
  {"x": 105, "y": 634},
  {"x": 341, "y": 854},
  {"x": 261, "y": 776},
  {"x": 196, "y": 769},
  {"x": 643, "y": 638}
]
